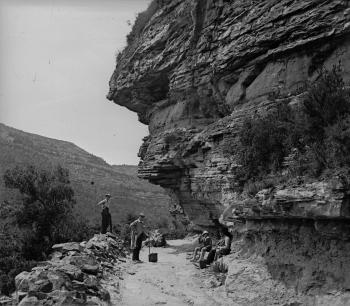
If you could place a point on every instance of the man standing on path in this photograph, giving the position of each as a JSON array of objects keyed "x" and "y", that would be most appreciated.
[
  {"x": 106, "y": 216},
  {"x": 137, "y": 236}
]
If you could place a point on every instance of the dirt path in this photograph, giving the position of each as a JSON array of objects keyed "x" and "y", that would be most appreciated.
[{"x": 172, "y": 281}]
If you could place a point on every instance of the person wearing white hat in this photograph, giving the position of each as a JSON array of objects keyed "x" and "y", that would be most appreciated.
[
  {"x": 137, "y": 236},
  {"x": 106, "y": 216},
  {"x": 206, "y": 245}
]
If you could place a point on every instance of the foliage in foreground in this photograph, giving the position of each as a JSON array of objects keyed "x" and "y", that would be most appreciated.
[
  {"x": 43, "y": 218},
  {"x": 310, "y": 140}
]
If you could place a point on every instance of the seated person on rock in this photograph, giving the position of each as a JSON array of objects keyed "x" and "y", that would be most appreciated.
[
  {"x": 206, "y": 245},
  {"x": 223, "y": 247}
]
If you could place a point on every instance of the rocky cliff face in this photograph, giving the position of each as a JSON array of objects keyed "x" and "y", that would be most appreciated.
[
  {"x": 193, "y": 70},
  {"x": 196, "y": 68}
]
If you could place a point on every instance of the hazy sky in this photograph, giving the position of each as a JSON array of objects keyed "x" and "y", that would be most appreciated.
[{"x": 56, "y": 57}]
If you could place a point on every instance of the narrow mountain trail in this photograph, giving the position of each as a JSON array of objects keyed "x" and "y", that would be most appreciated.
[{"x": 172, "y": 281}]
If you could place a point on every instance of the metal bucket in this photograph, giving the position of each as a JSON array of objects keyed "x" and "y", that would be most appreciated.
[{"x": 153, "y": 257}]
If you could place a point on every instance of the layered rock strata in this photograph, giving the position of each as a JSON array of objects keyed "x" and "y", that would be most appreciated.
[
  {"x": 193, "y": 70},
  {"x": 289, "y": 262},
  {"x": 76, "y": 274},
  {"x": 197, "y": 68}
]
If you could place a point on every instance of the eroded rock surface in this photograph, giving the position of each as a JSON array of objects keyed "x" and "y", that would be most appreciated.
[
  {"x": 75, "y": 274},
  {"x": 193, "y": 70},
  {"x": 289, "y": 263}
]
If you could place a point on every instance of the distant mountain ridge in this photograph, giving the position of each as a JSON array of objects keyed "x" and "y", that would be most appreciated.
[{"x": 90, "y": 175}]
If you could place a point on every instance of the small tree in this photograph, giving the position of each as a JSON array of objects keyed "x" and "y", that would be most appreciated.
[
  {"x": 47, "y": 199},
  {"x": 263, "y": 141},
  {"x": 326, "y": 102}
]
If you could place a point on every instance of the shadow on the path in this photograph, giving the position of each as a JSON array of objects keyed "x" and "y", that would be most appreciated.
[{"x": 184, "y": 247}]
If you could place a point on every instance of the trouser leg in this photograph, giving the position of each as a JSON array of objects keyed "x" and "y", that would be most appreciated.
[
  {"x": 104, "y": 226},
  {"x": 110, "y": 222},
  {"x": 196, "y": 250},
  {"x": 211, "y": 256},
  {"x": 136, "y": 252}
]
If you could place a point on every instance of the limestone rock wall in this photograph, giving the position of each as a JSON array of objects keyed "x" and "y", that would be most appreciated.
[
  {"x": 193, "y": 69},
  {"x": 289, "y": 263}
]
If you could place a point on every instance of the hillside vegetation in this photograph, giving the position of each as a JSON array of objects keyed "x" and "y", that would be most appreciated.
[{"x": 91, "y": 177}]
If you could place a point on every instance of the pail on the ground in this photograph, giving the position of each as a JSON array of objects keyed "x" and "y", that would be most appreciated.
[{"x": 153, "y": 257}]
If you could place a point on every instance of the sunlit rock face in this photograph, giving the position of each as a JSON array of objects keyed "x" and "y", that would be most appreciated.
[{"x": 193, "y": 69}]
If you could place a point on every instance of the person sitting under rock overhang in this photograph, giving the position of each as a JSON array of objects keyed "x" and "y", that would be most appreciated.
[
  {"x": 137, "y": 236},
  {"x": 223, "y": 247},
  {"x": 206, "y": 245}
]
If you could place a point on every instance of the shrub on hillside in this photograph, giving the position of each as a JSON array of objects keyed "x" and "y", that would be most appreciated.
[
  {"x": 12, "y": 260},
  {"x": 43, "y": 218},
  {"x": 72, "y": 228},
  {"x": 47, "y": 198}
]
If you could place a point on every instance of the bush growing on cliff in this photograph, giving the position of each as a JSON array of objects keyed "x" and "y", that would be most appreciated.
[
  {"x": 326, "y": 103},
  {"x": 142, "y": 19},
  {"x": 307, "y": 140},
  {"x": 263, "y": 143}
]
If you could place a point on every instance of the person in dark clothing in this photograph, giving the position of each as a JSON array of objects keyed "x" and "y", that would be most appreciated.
[
  {"x": 105, "y": 214},
  {"x": 106, "y": 220},
  {"x": 206, "y": 244},
  {"x": 223, "y": 247},
  {"x": 138, "y": 246},
  {"x": 137, "y": 236}
]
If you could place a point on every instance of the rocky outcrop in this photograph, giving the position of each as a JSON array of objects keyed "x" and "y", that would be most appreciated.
[
  {"x": 193, "y": 71},
  {"x": 325, "y": 200},
  {"x": 77, "y": 273},
  {"x": 197, "y": 68},
  {"x": 294, "y": 262}
]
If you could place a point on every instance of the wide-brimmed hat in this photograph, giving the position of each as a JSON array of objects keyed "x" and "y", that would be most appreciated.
[
  {"x": 205, "y": 233},
  {"x": 107, "y": 195},
  {"x": 142, "y": 215}
]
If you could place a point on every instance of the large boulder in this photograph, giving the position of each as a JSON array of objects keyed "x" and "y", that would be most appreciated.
[{"x": 66, "y": 247}]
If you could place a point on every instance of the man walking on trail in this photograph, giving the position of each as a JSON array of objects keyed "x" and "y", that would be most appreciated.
[
  {"x": 137, "y": 236},
  {"x": 106, "y": 216}
]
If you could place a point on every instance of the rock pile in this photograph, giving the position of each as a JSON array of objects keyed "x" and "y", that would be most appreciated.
[{"x": 74, "y": 275}]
